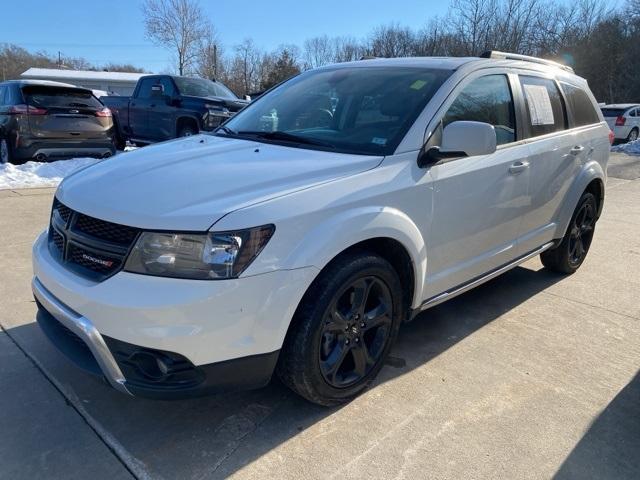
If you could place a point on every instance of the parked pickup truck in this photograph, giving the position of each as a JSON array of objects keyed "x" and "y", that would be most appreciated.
[{"x": 165, "y": 106}]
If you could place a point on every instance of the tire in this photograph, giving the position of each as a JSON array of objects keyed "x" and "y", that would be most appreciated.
[
  {"x": 187, "y": 131},
  {"x": 5, "y": 152},
  {"x": 568, "y": 256},
  {"x": 633, "y": 135},
  {"x": 337, "y": 344},
  {"x": 119, "y": 143}
]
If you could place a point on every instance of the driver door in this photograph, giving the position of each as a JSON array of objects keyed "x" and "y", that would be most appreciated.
[{"x": 478, "y": 201}]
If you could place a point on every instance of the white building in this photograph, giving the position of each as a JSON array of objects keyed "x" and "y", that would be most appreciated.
[{"x": 115, "y": 83}]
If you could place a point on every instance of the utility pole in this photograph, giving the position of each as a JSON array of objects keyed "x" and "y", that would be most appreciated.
[
  {"x": 59, "y": 59},
  {"x": 215, "y": 61}
]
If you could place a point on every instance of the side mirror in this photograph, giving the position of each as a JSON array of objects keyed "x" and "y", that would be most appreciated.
[
  {"x": 247, "y": 98},
  {"x": 462, "y": 139},
  {"x": 157, "y": 90}
]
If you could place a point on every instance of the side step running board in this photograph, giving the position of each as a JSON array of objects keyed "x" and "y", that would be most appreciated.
[{"x": 465, "y": 287}]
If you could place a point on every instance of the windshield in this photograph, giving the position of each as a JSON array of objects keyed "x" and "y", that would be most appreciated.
[
  {"x": 199, "y": 87},
  {"x": 49, "y": 97},
  {"x": 363, "y": 110}
]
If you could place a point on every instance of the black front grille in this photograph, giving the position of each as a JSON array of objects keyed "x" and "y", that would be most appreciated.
[
  {"x": 91, "y": 247},
  {"x": 111, "y": 232}
]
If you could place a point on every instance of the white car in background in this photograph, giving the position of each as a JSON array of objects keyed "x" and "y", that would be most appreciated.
[
  {"x": 623, "y": 120},
  {"x": 299, "y": 246}
]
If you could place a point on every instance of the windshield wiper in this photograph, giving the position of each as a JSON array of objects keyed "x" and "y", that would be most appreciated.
[
  {"x": 287, "y": 137},
  {"x": 226, "y": 130}
]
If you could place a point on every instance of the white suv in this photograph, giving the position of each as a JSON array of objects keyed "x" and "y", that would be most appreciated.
[{"x": 378, "y": 189}]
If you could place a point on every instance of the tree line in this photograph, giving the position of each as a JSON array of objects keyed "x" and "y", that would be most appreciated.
[
  {"x": 598, "y": 41},
  {"x": 601, "y": 43}
]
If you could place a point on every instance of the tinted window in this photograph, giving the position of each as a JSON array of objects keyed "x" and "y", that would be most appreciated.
[
  {"x": 3, "y": 94},
  {"x": 544, "y": 108},
  {"x": 486, "y": 99},
  {"x": 167, "y": 85},
  {"x": 612, "y": 112},
  {"x": 580, "y": 105},
  {"x": 199, "y": 87},
  {"x": 48, "y": 97},
  {"x": 365, "y": 110},
  {"x": 145, "y": 87}
]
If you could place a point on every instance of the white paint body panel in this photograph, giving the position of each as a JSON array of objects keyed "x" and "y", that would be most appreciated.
[{"x": 457, "y": 220}]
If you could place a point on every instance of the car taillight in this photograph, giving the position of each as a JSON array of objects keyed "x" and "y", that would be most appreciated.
[
  {"x": 620, "y": 121},
  {"x": 612, "y": 137},
  {"x": 105, "y": 112},
  {"x": 27, "y": 110}
]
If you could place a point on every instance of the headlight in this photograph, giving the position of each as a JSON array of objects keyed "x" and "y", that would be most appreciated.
[{"x": 209, "y": 256}]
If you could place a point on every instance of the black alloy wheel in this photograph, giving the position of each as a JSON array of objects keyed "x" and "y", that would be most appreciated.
[
  {"x": 581, "y": 233},
  {"x": 355, "y": 332}
]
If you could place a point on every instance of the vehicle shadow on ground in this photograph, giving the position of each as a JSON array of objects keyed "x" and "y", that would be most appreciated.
[
  {"x": 611, "y": 446},
  {"x": 214, "y": 437}
]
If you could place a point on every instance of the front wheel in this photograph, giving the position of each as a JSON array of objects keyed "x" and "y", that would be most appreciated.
[
  {"x": 187, "y": 131},
  {"x": 343, "y": 329},
  {"x": 569, "y": 255}
]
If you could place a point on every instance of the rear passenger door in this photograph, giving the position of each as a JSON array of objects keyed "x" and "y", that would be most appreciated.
[{"x": 555, "y": 155}]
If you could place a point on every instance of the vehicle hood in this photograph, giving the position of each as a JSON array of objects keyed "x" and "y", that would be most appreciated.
[
  {"x": 233, "y": 104},
  {"x": 189, "y": 184}
]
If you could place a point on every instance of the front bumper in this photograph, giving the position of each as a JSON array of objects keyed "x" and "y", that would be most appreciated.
[{"x": 222, "y": 335}]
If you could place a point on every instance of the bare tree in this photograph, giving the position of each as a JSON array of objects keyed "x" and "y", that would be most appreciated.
[
  {"x": 318, "y": 51},
  {"x": 209, "y": 59},
  {"x": 178, "y": 25}
]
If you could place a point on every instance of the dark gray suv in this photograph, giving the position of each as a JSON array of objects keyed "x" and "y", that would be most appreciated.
[{"x": 49, "y": 121}]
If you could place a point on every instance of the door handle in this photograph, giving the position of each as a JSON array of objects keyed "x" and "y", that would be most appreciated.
[
  {"x": 518, "y": 167},
  {"x": 577, "y": 149}
]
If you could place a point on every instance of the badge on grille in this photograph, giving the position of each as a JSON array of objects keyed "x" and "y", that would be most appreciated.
[{"x": 99, "y": 261}]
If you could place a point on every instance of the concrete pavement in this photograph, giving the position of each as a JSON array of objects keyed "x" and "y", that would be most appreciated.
[{"x": 532, "y": 375}]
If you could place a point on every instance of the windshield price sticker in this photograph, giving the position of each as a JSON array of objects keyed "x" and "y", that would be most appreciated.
[{"x": 540, "y": 109}]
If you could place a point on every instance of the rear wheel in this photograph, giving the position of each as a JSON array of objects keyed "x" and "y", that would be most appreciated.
[
  {"x": 633, "y": 135},
  {"x": 569, "y": 255},
  {"x": 343, "y": 329},
  {"x": 5, "y": 152}
]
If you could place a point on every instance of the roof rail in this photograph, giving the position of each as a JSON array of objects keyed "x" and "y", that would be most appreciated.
[{"x": 525, "y": 58}]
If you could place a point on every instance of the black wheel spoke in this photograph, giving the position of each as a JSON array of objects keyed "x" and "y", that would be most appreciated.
[
  {"x": 376, "y": 317},
  {"x": 331, "y": 366},
  {"x": 360, "y": 296},
  {"x": 336, "y": 321},
  {"x": 361, "y": 359}
]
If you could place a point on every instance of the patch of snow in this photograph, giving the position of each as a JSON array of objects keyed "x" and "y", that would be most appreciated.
[
  {"x": 631, "y": 148},
  {"x": 36, "y": 174}
]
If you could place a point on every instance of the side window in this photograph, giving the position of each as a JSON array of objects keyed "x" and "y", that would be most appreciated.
[
  {"x": 634, "y": 112},
  {"x": 167, "y": 84},
  {"x": 543, "y": 104},
  {"x": 3, "y": 94},
  {"x": 584, "y": 113},
  {"x": 145, "y": 87},
  {"x": 487, "y": 99}
]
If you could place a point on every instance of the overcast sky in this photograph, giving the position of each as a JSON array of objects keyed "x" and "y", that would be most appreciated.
[{"x": 112, "y": 30}]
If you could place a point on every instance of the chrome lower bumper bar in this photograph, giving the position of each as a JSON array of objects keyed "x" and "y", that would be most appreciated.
[{"x": 84, "y": 329}]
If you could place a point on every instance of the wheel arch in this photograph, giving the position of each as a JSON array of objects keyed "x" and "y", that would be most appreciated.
[
  {"x": 384, "y": 231},
  {"x": 186, "y": 120},
  {"x": 591, "y": 179}
]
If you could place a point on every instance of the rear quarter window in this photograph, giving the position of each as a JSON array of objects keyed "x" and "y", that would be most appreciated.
[
  {"x": 544, "y": 108},
  {"x": 580, "y": 105}
]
